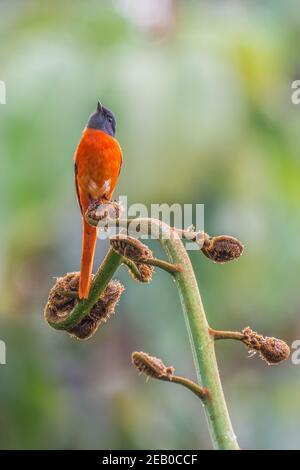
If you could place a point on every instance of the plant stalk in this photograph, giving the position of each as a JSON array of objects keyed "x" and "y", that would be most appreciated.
[
  {"x": 200, "y": 392},
  {"x": 220, "y": 334},
  {"x": 203, "y": 349},
  {"x": 202, "y": 342}
]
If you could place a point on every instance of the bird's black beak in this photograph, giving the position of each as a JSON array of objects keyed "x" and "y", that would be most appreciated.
[{"x": 99, "y": 107}]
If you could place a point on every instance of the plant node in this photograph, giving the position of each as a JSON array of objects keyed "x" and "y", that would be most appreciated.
[
  {"x": 139, "y": 272},
  {"x": 155, "y": 368}
]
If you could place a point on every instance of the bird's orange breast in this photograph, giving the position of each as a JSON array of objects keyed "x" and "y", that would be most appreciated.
[{"x": 98, "y": 159}]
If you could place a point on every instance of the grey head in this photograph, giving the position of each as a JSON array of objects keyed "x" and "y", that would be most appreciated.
[{"x": 102, "y": 119}]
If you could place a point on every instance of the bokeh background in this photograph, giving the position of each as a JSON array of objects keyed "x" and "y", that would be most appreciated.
[{"x": 202, "y": 95}]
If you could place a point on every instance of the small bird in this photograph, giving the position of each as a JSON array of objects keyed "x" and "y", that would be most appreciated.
[{"x": 98, "y": 161}]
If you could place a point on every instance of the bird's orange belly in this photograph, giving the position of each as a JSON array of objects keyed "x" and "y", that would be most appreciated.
[
  {"x": 99, "y": 176},
  {"x": 98, "y": 160}
]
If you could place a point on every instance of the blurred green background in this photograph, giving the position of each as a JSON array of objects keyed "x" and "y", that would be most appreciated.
[{"x": 202, "y": 95}]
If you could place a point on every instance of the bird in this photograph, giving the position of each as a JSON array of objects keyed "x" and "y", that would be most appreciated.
[{"x": 98, "y": 160}]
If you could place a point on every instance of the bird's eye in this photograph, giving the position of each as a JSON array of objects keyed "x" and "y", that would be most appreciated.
[{"x": 109, "y": 118}]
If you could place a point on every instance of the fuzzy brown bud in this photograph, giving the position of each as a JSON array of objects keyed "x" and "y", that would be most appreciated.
[
  {"x": 151, "y": 366},
  {"x": 100, "y": 212},
  {"x": 271, "y": 350},
  {"x": 100, "y": 312},
  {"x": 274, "y": 351},
  {"x": 131, "y": 248},
  {"x": 61, "y": 302},
  {"x": 144, "y": 274},
  {"x": 222, "y": 248}
]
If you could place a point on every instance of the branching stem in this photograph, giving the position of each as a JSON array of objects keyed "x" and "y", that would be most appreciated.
[
  {"x": 219, "y": 334},
  {"x": 201, "y": 339},
  {"x": 201, "y": 392},
  {"x": 202, "y": 342},
  {"x": 160, "y": 263}
]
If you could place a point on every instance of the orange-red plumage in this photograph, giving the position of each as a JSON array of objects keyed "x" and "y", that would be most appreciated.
[{"x": 98, "y": 160}]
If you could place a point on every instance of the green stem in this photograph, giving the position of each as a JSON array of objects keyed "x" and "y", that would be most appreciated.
[
  {"x": 133, "y": 268},
  {"x": 202, "y": 342},
  {"x": 162, "y": 264},
  {"x": 201, "y": 392},
  {"x": 159, "y": 263},
  {"x": 102, "y": 277},
  {"x": 220, "y": 334}
]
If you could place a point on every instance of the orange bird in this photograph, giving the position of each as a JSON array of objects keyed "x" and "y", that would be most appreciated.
[{"x": 98, "y": 161}]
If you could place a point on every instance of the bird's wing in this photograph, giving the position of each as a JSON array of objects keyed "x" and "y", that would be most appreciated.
[{"x": 77, "y": 188}]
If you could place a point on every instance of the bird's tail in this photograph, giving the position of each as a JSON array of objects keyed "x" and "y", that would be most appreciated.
[{"x": 87, "y": 257}]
